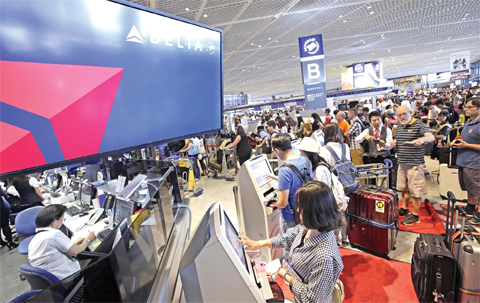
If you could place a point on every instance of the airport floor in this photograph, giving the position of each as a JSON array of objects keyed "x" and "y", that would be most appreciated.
[{"x": 214, "y": 190}]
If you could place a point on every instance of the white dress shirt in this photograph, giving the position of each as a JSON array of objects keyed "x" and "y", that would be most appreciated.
[
  {"x": 48, "y": 250},
  {"x": 359, "y": 139}
]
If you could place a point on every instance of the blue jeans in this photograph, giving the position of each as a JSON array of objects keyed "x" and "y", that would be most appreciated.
[{"x": 287, "y": 224}]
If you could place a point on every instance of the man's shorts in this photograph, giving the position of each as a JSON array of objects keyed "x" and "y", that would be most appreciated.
[
  {"x": 469, "y": 179},
  {"x": 412, "y": 178}
]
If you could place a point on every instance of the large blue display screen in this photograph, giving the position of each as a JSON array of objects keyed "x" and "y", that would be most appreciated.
[{"x": 84, "y": 77}]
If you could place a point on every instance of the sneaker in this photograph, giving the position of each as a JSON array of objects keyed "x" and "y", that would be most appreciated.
[
  {"x": 411, "y": 219},
  {"x": 403, "y": 212}
]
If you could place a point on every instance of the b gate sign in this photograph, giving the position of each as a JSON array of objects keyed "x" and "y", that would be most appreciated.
[{"x": 313, "y": 66}]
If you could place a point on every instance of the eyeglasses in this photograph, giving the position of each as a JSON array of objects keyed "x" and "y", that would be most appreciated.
[{"x": 470, "y": 107}]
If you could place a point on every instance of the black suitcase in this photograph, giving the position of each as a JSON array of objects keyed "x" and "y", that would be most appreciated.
[{"x": 433, "y": 269}]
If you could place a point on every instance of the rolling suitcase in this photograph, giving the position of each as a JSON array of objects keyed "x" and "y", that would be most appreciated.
[
  {"x": 372, "y": 217},
  {"x": 448, "y": 181},
  {"x": 433, "y": 269},
  {"x": 466, "y": 250}
]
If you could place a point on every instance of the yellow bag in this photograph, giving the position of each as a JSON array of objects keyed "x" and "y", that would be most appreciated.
[{"x": 462, "y": 118}]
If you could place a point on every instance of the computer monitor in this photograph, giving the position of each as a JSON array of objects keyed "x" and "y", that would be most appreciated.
[
  {"x": 343, "y": 107},
  {"x": 91, "y": 172},
  {"x": 259, "y": 169},
  {"x": 232, "y": 237},
  {"x": 295, "y": 144},
  {"x": 123, "y": 209},
  {"x": 75, "y": 185},
  {"x": 319, "y": 136},
  {"x": 88, "y": 191}
]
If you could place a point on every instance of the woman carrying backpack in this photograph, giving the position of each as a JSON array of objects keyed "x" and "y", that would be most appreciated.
[
  {"x": 310, "y": 149},
  {"x": 334, "y": 140}
]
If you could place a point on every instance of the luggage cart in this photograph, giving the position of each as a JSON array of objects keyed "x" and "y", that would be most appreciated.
[
  {"x": 377, "y": 172},
  {"x": 186, "y": 177},
  {"x": 229, "y": 161}
]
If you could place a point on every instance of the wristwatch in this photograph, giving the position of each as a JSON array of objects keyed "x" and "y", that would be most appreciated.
[{"x": 87, "y": 240}]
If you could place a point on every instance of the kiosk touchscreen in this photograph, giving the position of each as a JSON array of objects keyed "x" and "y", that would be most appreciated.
[
  {"x": 319, "y": 137},
  {"x": 215, "y": 267},
  {"x": 295, "y": 144},
  {"x": 258, "y": 196}
]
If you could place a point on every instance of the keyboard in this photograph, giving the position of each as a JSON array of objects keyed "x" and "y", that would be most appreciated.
[
  {"x": 104, "y": 233},
  {"x": 54, "y": 195},
  {"x": 76, "y": 210}
]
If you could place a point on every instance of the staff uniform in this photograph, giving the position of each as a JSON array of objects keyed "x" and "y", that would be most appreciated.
[
  {"x": 48, "y": 250},
  {"x": 317, "y": 260}
]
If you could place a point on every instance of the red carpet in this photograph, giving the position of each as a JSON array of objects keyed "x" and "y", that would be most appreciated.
[
  {"x": 368, "y": 278},
  {"x": 430, "y": 221}
]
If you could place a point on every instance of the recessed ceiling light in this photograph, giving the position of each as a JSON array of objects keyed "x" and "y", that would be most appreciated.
[
  {"x": 205, "y": 16},
  {"x": 372, "y": 12},
  {"x": 293, "y": 56},
  {"x": 340, "y": 16},
  {"x": 364, "y": 42},
  {"x": 276, "y": 41},
  {"x": 187, "y": 9},
  {"x": 388, "y": 50},
  {"x": 269, "y": 38},
  {"x": 251, "y": 43},
  {"x": 369, "y": 7},
  {"x": 259, "y": 46},
  {"x": 344, "y": 21}
]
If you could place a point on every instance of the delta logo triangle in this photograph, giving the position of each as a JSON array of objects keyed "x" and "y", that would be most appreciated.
[{"x": 134, "y": 36}]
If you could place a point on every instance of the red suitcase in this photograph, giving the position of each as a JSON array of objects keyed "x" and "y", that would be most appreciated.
[{"x": 373, "y": 219}]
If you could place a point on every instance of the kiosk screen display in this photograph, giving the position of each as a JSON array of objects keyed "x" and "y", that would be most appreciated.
[
  {"x": 295, "y": 145},
  {"x": 232, "y": 237},
  {"x": 259, "y": 170},
  {"x": 123, "y": 209}
]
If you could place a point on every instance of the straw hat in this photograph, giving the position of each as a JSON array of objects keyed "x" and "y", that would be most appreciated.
[{"x": 309, "y": 145}]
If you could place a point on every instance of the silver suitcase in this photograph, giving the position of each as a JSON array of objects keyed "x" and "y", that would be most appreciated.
[{"x": 466, "y": 250}]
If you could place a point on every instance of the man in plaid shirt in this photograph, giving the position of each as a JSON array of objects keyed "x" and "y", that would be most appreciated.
[{"x": 356, "y": 127}]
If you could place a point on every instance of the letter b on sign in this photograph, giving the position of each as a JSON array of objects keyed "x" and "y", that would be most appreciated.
[{"x": 313, "y": 71}]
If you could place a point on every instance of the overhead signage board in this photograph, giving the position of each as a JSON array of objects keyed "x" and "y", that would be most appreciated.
[
  {"x": 359, "y": 68},
  {"x": 315, "y": 96},
  {"x": 313, "y": 70},
  {"x": 460, "y": 61},
  {"x": 102, "y": 77}
]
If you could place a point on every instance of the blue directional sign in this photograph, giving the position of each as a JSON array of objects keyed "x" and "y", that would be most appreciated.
[{"x": 315, "y": 96}]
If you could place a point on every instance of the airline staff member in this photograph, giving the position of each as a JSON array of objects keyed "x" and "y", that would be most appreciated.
[
  {"x": 411, "y": 136},
  {"x": 51, "y": 249}
]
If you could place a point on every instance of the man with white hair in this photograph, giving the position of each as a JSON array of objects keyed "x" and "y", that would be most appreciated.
[{"x": 412, "y": 135}]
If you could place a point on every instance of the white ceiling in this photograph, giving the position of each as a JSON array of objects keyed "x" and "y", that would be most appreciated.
[{"x": 261, "y": 37}]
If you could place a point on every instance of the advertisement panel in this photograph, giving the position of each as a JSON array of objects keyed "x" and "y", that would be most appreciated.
[
  {"x": 460, "y": 61},
  {"x": 85, "y": 77}
]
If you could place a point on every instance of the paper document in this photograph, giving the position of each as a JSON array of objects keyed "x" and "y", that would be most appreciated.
[{"x": 291, "y": 271}]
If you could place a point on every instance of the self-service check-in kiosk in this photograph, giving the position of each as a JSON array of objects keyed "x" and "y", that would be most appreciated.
[
  {"x": 215, "y": 266},
  {"x": 319, "y": 137},
  {"x": 257, "y": 197}
]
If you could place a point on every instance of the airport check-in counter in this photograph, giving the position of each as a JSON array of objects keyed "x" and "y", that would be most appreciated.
[
  {"x": 258, "y": 197},
  {"x": 139, "y": 260}
]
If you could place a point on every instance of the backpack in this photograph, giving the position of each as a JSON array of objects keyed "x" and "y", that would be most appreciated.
[
  {"x": 345, "y": 170},
  {"x": 337, "y": 188},
  {"x": 454, "y": 117},
  {"x": 304, "y": 177}
]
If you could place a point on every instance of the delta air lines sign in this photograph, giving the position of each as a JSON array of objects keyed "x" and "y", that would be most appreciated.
[{"x": 171, "y": 40}]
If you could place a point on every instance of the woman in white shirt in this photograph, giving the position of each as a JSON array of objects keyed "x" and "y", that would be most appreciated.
[
  {"x": 51, "y": 249},
  {"x": 334, "y": 139}
]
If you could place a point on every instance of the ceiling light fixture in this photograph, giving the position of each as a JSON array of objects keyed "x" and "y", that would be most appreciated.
[
  {"x": 276, "y": 41},
  {"x": 205, "y": 16},
  {"x": 340, "y": 16},
  {"x": 269, "y": 38},
  {"x": 344, "y": 21},
  {"x": 259, "y": 46},
  {"x": 187, "y": 9},
  {"x": 369, "y": 7},
  {"x": 372, "y": 12}
]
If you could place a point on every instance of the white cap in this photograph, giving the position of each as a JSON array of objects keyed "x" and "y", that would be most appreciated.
[{"x": 309, "y": 145}]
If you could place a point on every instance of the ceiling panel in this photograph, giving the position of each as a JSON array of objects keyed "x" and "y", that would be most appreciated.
[{"x": 418, "y": 37}]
